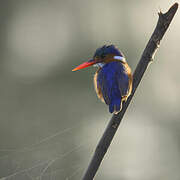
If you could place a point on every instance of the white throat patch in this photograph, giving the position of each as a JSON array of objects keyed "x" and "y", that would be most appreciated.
[{"x": 99, "y": 65}]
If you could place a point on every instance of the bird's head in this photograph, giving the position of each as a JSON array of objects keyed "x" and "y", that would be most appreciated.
[{"x": 103, "y": 55}]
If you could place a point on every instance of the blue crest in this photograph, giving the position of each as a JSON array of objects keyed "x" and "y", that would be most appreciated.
[{"x": 107, "y": 49}]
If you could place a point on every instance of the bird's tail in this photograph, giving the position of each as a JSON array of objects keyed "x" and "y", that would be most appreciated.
[{"x": 115, "y": 105}]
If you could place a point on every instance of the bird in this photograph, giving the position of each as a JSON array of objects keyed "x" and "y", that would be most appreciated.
[{"x": 113, "y": 79}]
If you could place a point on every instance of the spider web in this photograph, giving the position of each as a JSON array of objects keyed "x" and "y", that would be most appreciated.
[{"x": 46, "y": 159}]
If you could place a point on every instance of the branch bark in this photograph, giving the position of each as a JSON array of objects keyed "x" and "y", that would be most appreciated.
[{"x": 147, "y": 56}]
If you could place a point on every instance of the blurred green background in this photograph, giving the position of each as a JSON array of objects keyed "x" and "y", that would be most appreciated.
[{"x": 50, "y": 117}]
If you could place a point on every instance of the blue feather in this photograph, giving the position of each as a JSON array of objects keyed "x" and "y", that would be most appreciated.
[
  {"x": 107, "y": 49},
  {"x": 113, "y": 82}
]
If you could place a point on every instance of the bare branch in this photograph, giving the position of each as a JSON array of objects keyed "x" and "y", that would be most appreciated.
[{"x": 147, "y": 56}]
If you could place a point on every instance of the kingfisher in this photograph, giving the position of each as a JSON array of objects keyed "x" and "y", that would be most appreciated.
[{"x": 113, "y": 78}]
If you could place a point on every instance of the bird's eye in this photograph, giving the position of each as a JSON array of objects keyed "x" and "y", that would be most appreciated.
[{"x": 102, "y": 56}]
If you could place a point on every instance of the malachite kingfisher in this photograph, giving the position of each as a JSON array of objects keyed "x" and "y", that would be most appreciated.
[{"x": 113, "y": 79}]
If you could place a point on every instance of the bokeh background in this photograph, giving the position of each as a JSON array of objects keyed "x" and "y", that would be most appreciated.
[{"x": 50, "y": 117}]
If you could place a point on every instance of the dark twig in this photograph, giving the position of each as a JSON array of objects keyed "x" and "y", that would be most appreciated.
[{"x": 147, "y": 56}]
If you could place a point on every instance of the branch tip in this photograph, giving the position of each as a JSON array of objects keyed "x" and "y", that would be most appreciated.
[{"x": 172, "y": 10}]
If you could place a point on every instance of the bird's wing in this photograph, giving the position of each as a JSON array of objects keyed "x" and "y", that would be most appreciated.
[
  {"x": 112, "y": 85},
  {"x": 108, "y": 86},
  {"x": 103, "y": 88},
  {"x": 123, "y": 78},
  {"x": 111, "y": 82}
]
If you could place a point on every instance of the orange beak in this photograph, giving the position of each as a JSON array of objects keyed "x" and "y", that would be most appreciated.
[{"x": 85, "y": 64}]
